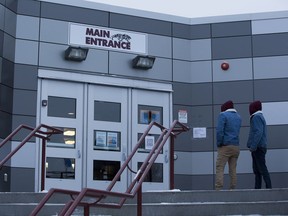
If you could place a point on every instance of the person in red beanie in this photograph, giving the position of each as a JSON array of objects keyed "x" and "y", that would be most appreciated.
[
  {"x": 257, "y": 144},
  {"x": 228, "y": 129}
]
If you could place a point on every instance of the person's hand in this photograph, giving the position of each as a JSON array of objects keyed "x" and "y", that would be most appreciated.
[{"x": 252, "y": 150}]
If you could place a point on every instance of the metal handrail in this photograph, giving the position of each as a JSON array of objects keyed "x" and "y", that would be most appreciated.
[
  {"x": 135, "y": 186},
  {"x": 35, "y": 132}
]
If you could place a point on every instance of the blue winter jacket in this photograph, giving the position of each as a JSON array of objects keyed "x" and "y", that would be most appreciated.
[
  {"x": 258, "y": 132},
  {"x": 228, "y": 128}
]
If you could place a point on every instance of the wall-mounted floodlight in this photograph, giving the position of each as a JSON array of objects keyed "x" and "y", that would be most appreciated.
[
  {"x": 76, "y": 53},
  {"x": 143, "y": 62}
]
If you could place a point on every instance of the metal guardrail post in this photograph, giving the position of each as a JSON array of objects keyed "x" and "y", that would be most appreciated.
[
  {"x": 43, "y": 164},
  {"x": 139, "y": 201},
  {"x": 172, "y": 162}
]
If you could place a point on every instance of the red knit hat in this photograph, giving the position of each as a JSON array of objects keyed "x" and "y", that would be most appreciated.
[
  {"x": 227, "y": 105},
  {"x": 254, "y": 107}
]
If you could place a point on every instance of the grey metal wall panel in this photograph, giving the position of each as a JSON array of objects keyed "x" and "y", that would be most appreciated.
[
  {"x": 239, "y": 69},
  {"x": 2, "y": 17},
  {"x": 22, "y": 48},
  {"x": 271, "y": 90},
  {"x": 206, "y": 159},
  {"x": 5, "y": 124},
  {"x": 23, "y": 119},
  {"x": 231, "y": 29},
  {"x": 201, "y": 50},
  {"x": 186, "y": 142},
  {"x": 24, "y": 102},
  {"x": 272, "y": 116},
  {"x": 121, "y": 64},
  {"x": 181, "y": 49},
  {"x": 10, "y": 22},
  {"x": 52, "y": 55},
  {"x": 191, "y": 50},
  {"x": 1, "y": 42},
  {"x": 31, "y": 8},
  {"x": 25, "y": 77},
  {"x": 192, "y": 72},
  {"x": 238, "y": 91},
  {"x": 191, "y": 32},
  {"x": 9, "y": 47},
  {"x": 7, "y": 75},
  {"x": 277, "y": 136},
  {"x": 6, "y": 98},
  {"x": 74, "y": 14},
  {"x": 198, "y": 116},
  {"x": 194, "y": 182},
  {"x": 160, "y": 46},
  {"x": 270, "y": 67},
  {"x": 27, "y": 27},
  {"x": 27, "y": 177},
  {"x": 192, "y": 94},
  {"x": 279, "y": 180},
  {"x": 231, "y": 47},
  {"x": 267, "y": 26},
  {"x": 139, "y": 24},
  {"x": 60, "y": 29},
  {"x": 270, "y": 44}
]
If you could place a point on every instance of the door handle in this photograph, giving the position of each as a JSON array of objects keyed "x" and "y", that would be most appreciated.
[{"x": 78, "y": 154}]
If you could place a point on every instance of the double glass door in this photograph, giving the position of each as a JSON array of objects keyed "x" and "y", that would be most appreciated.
[{"x": 101, "y": 125}]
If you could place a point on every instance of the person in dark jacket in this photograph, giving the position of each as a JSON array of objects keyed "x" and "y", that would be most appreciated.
[
  {"x": 257, "y": 144},
  {"x": 227, "y": 135}
]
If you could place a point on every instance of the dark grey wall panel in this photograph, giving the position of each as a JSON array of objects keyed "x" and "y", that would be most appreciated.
[
  {"x": 279, "y": 180},
  {"x": 195, "y": 182},
  {"x": 270, "y": 44},
  {"x": 5, "y": 124},
  {"x": 25, "y": 77},
  {"x": 1, "y": 42},
  {"x": 231, "y": 29},
  {"x": 192, "y": 94},
  {"x": 271, "y": 90},
  {"x": 4, "y": 186},
  {"x": 6, "y": 98},
  {"x": 198, "y": 116},
  {"x": 24, "y": 102},
  {"x": 239, "y": 92},
  {"x": 140, "y": 24},
  {"x": 23, "y": 119},
  {"x": 231, "y": 47},
  {"x": 7, "y": 75},
  {"x": 277, "y": 136},
  {"x": 74, "y": 14},
  {"x": 2, "y": 17},
  {"x": 24, "y": 7},
  {"x": 9, "y": 47},
  {"x": 191, "y": 32},
  {"x": 10, "y": 22},
  {"x": 27, "y": 177}
]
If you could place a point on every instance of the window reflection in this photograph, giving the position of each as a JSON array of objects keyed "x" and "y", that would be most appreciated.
[
  {"x": 107, "y": 111},
  {"x": 60, "y": 168},
  {"x": 155, "y": 174},
  {"x": 147, "y": 114},
  {"x": 105, "y": 170},
  {"x": 61, "y": 107},
  {"x": 65, "y": 140}
]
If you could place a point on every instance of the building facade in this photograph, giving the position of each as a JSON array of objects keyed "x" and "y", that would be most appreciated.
[{"x": 104, "y": 104}]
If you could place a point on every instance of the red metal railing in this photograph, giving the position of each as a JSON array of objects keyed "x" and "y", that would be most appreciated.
[
  {"x": 35, "y": 132},
  {"x": 77, "y": 198}
]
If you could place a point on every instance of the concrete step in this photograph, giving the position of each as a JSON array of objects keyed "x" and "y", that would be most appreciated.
[{"x": 179, "y": 203}]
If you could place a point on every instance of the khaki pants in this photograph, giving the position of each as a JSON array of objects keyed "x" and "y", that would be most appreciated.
[{"x": 230, "y": 154}]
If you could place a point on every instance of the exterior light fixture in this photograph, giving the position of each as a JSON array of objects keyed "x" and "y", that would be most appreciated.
[
  {"x": 76, "y": 53},
  {"x": 143, "y": 62}
]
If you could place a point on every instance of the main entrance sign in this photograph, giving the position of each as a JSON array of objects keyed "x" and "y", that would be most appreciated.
[{"x": 105, "y": 38}]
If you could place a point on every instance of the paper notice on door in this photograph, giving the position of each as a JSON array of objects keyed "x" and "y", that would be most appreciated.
[{"x": 199, "y": 132}]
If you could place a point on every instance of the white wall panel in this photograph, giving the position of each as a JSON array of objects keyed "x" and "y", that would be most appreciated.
[
  {"x": 269, "y": 26},
  {"x": 275, "y": 112}
]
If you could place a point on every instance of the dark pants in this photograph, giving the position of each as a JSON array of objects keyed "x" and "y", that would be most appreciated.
[{"x": 260, "y": 169}]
